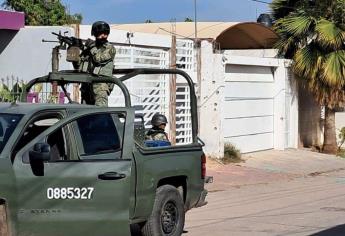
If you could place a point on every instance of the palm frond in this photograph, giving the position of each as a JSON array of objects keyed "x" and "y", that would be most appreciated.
[
  {"x": 295, "y": 25},
  {"x": 307, "y": 61},
  {"x": 334, "y": 68},
  {"x": 282, "y": 8},
  {"x": 329, "y": 35},
  {"x": 287, "y": 46}
]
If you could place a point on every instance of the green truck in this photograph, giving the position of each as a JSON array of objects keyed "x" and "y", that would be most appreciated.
[{"x": 74, "y": 169}]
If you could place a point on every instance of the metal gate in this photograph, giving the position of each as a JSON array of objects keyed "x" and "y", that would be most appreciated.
[
  {"x": 249, "y": 107},
  {"x": 150, "y": 93}
]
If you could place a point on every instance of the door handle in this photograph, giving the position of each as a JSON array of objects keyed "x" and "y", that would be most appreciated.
[{"x": 111, "y": 176}]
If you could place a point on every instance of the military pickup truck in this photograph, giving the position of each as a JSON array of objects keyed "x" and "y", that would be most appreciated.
[{"x": 74, "y": 169}]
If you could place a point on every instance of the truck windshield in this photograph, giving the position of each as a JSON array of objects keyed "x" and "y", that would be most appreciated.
[{"x": 8, "y": 123}]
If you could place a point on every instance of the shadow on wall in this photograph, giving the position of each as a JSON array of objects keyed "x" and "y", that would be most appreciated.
[
  {"x": 310, "y": 123},
  {"x": 6, "y": 37}
]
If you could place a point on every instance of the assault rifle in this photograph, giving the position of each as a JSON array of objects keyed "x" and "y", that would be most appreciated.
[
  {"x": 74, "y": 46},
  {"x": 75, "y": 49},
  {"x": 70, "y": 41}
]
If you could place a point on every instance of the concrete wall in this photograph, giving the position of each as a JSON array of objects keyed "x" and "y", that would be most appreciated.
[
  {"x": 24, "y": 56},
  {"x": 211, "y": 97}
]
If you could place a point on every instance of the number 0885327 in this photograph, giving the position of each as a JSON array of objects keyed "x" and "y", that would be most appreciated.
[{"x": 70, "y": 193}]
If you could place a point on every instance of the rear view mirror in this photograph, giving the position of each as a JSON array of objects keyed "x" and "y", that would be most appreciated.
[{"x": 40, "y": 152}]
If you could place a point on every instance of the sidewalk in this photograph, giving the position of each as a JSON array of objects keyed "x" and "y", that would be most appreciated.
[{"x": 271, "y": 166}]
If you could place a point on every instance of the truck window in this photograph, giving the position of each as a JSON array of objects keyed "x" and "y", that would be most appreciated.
[
  {"x": 35, "y": 128},
  {"x": 99, "y": 135},
  {"x": 58, "y": 148},
  {"x": 8, "y": 123}
]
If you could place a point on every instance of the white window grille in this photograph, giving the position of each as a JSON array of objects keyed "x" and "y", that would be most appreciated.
[
  {"x": 149, "y": 92},
  {"x": 183, "y": 115},
  {"x": 137, "y": 57},
  {"x": 185, "y": 58}
]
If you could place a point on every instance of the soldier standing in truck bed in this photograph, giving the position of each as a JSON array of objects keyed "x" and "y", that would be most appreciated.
[{"x": 98, "y": 58}]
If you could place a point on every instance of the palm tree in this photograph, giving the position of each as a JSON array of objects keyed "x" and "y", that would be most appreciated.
[{"x": 312, "y": 34}]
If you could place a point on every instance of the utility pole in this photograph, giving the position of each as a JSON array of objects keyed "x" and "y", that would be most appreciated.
[
  {"x": 55, "y": 68},
  {"x": 197, "y": 48},
  {"x": 195, "y": 22},
  {"x": 172, "y": 85},
  {"x": 76, "y": 91}
]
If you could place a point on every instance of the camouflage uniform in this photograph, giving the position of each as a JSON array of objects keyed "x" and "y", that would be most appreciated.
[
  {"x": 100, "y": 61},
  {"x": 156, "y": 134}
]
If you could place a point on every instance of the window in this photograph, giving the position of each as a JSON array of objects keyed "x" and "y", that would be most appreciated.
[
  {"x": 99, "y": 134},
  {"x": 35, "y": 128},
  {"x": 8, "y": 122},
  {"x": 58, "y": 147}
]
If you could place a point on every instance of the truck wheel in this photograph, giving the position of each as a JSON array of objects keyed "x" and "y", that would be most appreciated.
[{"x": 168, "y": 215}]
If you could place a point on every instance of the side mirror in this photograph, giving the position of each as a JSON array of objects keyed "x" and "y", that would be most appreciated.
[{"x": 41, "y": 152}]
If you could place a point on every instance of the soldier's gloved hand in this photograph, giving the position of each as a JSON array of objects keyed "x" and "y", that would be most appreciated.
[{"x": 89, "y": 43}]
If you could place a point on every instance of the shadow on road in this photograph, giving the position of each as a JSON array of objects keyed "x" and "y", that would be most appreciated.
[
  {"x": 135, "y": 230},
  {"x": 335, "y": 231}
]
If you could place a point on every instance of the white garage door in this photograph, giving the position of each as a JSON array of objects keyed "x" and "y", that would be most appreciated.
[{"x": 248, "y": 110}]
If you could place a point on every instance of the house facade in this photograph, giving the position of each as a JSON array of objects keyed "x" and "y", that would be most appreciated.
[{"x": 246, "y": 94}]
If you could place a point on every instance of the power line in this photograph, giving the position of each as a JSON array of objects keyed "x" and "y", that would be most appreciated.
[
  {"x": 260, "y": 1},
  {"x": 172, "y": 33}
]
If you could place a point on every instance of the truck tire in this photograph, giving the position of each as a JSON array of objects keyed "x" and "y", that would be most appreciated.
[{"x": 168, "y": 215}]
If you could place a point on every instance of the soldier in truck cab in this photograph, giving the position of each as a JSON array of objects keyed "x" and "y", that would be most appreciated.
[{"x": 157, "y": 133}]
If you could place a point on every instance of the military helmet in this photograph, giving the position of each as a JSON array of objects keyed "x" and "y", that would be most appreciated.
[
  {"x": 100, "y": 27},
  {"x": 159, "y": 119}
]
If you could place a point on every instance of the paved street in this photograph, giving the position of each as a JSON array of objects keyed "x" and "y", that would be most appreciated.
[
  {"x": 295, "y": 193},
  {"x": 273, "y": 193},
  {"x": 299, "y": 207}
]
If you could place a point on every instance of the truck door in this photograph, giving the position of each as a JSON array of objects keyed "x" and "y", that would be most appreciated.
[
  {"x": 74, "y": 178},
  {"x": 7, "y": 196}
]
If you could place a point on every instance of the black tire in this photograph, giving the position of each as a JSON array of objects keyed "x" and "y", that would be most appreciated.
[{"x": 168, "y": 215}]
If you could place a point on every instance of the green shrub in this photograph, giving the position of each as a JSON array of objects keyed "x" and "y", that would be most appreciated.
[
  {"x": 341, "y": 136},
  {"x": 341, "y": 153}
]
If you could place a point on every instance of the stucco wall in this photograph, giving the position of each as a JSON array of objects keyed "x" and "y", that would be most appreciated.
[
  {"x": 24, "y": 56},
  {"x": 211, "y": 97}
]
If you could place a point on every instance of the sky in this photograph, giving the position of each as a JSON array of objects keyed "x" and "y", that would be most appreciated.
[{"x": 138, "y": 11}]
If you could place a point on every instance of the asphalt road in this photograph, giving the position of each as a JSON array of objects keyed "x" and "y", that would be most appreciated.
[{"x": 311, "y": 205}]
